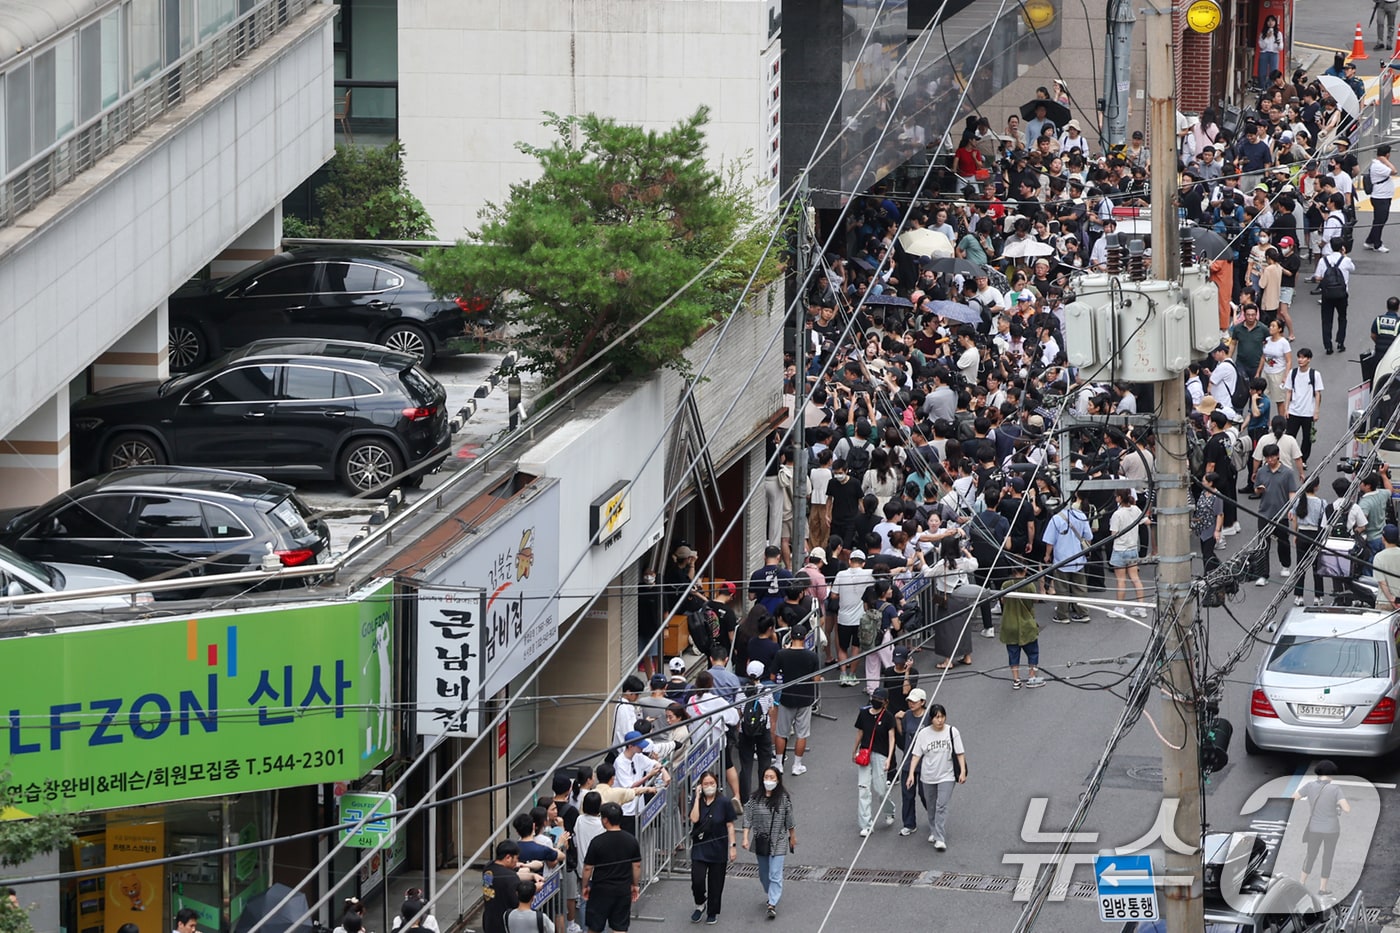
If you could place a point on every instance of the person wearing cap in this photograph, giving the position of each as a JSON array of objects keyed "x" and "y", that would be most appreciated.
[
  {"x": 721, "y": 602},
  {"x": 677, "y": 686},
  {"x": 1136, "y": 152},
  {"x": 1382, "y": 174},
  {"x": 796, "y": 666},
  {"x": 849, "y": 586},
  {"x": 1327, "y": 804},
  {"x": 872, "y": 754},
  {"x": 678, "y": 581},
  {"x": 754, "y": 748},
  {"x": 907, "y": 724},
  {"x": 1386, "y": 565},
  {"x": 635, "y": 770},
  {"x": 766, "y": 583},
  {"x": 654, "y": 704}
]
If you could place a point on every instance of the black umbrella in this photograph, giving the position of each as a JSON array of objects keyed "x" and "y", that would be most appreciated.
[
  {"x": 1208, "y": 244},
  {"x": 282, "y": 921},
  {"x": 950, "y": 265},
  {"x": 1056, "y": 112}
]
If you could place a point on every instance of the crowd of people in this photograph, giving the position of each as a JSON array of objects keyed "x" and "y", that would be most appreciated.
[{"x": 947, "y": 447}]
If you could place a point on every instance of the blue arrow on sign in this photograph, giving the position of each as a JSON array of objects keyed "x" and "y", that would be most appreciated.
[{"x": 1121, "y": 875}]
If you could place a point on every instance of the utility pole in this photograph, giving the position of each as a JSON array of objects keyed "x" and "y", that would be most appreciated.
[
  {"x": 1118, "y": 56},
  {"x": 799, "y": 421},
  {"x": 1181, "y": 774}
]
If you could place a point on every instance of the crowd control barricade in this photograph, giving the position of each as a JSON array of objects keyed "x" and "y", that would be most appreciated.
[{"x": 663, "y": 828}]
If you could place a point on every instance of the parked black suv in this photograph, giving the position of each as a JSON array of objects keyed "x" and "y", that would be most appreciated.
[
  {"x": 347, "y": 292},
  {"x": 322, "y": 409},
  {"x": 181, "y": 521}
]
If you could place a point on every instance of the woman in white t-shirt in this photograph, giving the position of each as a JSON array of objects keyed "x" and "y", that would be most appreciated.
[
  {"x": 1124, "y": 558},
  {"x": 1276, "y": 360}
]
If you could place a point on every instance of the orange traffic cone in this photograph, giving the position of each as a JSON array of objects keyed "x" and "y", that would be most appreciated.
[{"x": 1358, "y": 46}]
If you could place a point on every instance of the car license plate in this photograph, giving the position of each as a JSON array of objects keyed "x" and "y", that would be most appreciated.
[{"x": 1322, "y": 712}]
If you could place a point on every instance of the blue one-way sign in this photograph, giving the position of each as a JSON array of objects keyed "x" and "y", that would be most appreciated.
[{"x": 1125, "y": 887}]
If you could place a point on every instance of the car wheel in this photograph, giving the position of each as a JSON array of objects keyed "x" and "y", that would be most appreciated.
[
  {"x": 408, "y": 339},
  {"x": 369, "y": 466},
  {"x": 131, "y": 450},
  {"x": 187, "y": 347},
  {"x": 1249, "y": 747}
]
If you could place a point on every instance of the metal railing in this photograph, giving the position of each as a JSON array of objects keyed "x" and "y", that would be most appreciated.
[
  {"x": 663, "y": 828},
  {"x": 60, "y": 163}
]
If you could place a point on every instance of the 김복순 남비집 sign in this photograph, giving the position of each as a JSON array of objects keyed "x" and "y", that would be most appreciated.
[{"x": 131, "y": 714}]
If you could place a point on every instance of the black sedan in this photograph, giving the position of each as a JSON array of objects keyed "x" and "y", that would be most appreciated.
[
  {"x": 322, "y": 409},
  {"x": 371, "y": 294},
  {"x": 171, "y": 521}
]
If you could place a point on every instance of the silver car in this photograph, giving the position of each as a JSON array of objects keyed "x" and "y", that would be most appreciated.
[
  {"x": 20, "y": 576},
  {"x": 1328, "y": 685}
]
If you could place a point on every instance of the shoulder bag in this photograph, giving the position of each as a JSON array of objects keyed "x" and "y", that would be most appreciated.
[
  {"x": 763, "y": 842},
  {"x": 863, "y": 754}
]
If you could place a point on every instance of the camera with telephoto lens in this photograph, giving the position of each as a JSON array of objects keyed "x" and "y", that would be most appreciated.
[{"x": 1348, "y": 465}]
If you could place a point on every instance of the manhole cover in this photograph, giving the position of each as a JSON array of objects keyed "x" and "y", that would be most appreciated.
[{"x": 1148, "y": 774}]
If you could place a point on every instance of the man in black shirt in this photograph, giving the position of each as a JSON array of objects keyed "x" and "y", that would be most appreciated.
[
  {"x": 1217, "y": 460},
  {"x": 844, "y": 494},
  {"x": 499, "y": 881},
  {"x": 612, "y": 874},
  {"x": 795, "y": 666},
  {"x": 899, "y": 679}
]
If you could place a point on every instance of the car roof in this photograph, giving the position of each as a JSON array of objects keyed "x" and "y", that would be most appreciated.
[
  {"x": 178, "y": 479},
  {"x": 1330, "y": 621},
  {"x": 287, "y": 349}
]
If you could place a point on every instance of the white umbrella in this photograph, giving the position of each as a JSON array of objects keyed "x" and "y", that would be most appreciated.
[
  {"x": 925, "y": 242},
  {"x": 1020, "y": 249},
  {"x": 1342, "y": 93}
]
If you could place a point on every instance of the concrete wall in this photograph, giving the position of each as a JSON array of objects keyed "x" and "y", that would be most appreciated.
[
  {"x": 476, "y": 76},
  {"x": 91, "y": 262}
]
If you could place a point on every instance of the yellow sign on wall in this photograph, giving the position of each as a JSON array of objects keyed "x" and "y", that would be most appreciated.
[
  {"x": 1203, "y": 15},
  {"x": 136, "y": 895}
]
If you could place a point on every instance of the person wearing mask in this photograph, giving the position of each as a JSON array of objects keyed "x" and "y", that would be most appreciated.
[
  {"x": 1291, "y": 261},
  {"x": 938, "y": 761},
  {"x": 873, "y": 754},
  {"x": 712, "y": 847},
  {"x": 770, "y": 833}
]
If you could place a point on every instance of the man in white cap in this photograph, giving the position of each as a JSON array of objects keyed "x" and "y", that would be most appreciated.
[
  {"x": 755, "y": 746},
  {"x": 849, "y": 586},
  {"x": 907, "y": 724},
  {"x": 677, "y": 687}
]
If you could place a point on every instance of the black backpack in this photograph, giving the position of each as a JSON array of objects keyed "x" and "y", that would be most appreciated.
[
  {"x": 1239, "y": 398},
  {"x": 703, "y": 625},
  {"x": 753, "y": 719},
  {"x": 858, "y": 460},
  {"x": 1334, "y": 283}
]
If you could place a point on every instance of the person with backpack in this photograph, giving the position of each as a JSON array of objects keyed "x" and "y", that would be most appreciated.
[
  {"x": 1220, "y": 459},
  {"x": 856, "y": 450},
  {"x": 1333, "y": 275},
  {"x": 1208, "y": 520},
  {"x": 879, "y": 621},
  {"x": 1379, "y": 182},
  {"x": 1302, "y": 400},
  {"x": 1229, "y": 385},
  {"x": 755, "y": 742}
]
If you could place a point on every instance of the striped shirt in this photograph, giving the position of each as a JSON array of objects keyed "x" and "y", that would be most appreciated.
[{"x": 761, "y": 813}]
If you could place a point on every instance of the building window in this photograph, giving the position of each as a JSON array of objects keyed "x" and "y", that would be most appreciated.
[
  {"x": 18, "y": 110},
  {"x": 111, "y": 62},
  {"x": 145, "y": 31},
  {"x": 214, "y": 15}
]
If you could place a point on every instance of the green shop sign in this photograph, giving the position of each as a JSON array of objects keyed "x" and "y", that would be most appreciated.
[{"x": 130, "y": 714}]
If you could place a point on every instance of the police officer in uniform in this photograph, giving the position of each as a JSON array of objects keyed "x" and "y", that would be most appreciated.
[{"x": 1384, "y": 330}]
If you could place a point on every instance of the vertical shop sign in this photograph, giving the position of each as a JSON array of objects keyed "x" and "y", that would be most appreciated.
[{"x": 135, "y": 895}]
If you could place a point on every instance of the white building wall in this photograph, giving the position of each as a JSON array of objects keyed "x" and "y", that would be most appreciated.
[
  {"x": 91, "y": 262},
  {"x": 477, "y": 76}
]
